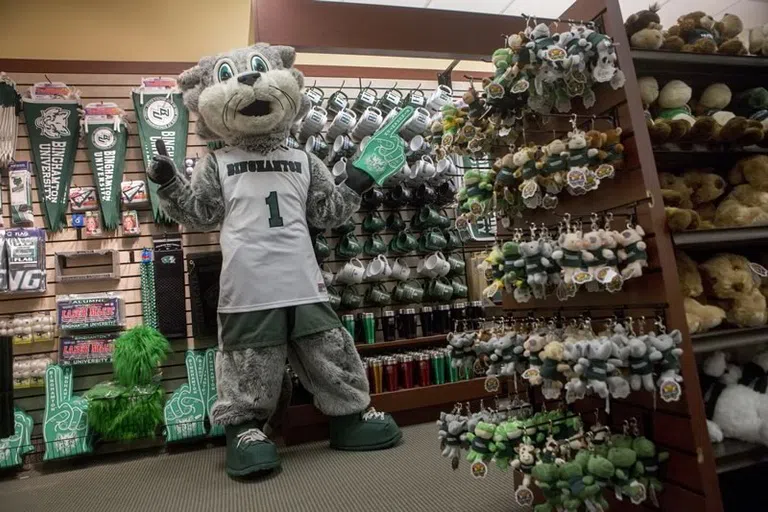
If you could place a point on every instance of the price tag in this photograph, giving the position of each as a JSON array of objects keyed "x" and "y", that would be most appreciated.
[
  {"x": 521, "y": 86},
  {"x": 524, "y": 497},
  {"x": 530, "y": 187},
  {"x": 670, "y": 390},
  {"x": 582, "y": 277},
  {"x": 479, "y": 469},
  {"x": 556, "y": 54},
  {"x": 530, "y": 373},
  {"x": 491, "y": 384},
  {"x": 605, "y": 171}
]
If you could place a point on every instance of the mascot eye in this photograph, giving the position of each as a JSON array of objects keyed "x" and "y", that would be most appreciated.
[
  {"x": 259, "y": 64},
  {"x": 225, "y": 72}
]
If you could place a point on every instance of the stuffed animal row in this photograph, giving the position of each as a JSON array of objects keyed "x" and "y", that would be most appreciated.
[
  {"x": 702, "y": 199},
  {"x": 734, "y": 397},
  {"x": 600, "y": 259},
  {"x": 695, "y": 32},
  {"x": 573, "y": 358},
  {"x": 717, "y": 116},
  {"x": 724, "y": 288},
  {"x": 569, "y": 465}
]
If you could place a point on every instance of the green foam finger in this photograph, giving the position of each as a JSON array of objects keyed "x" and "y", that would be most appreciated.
[
  {"x": 394, "y": 125},
  {"x": 211, "y": 390}
]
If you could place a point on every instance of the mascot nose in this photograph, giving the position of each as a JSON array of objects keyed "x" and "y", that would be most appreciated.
[{"x": 249, "y": 78}]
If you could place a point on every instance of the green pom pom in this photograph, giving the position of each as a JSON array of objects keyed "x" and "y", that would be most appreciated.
[
  {"x": 119, "y": 413},
  {"x": 137, "y": 354}
]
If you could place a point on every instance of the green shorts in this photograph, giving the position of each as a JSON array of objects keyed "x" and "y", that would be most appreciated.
[{"x": 272, "y": 327}]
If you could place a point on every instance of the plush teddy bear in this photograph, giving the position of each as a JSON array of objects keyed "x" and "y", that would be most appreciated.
[
  {"x": 726, "y": 33},
  {"x": 568, "y": 255},
  {"x": 644, "y": 29},
  {"x": 673, "y": 109},
  {"x": 752, "y": 170},
  {"x": 732, "y": 410},
  {"x": 728, "y": 281},
  {"x": 753, "y": 104},
  {"x": 249, "y": 99},
  {"x": 745, "y": 205},
  {"x": 553, "y": 369},
  {"x": 677, "y": 203},
  {"x": 758, "y": 40},
  {"x": 695, "y": 30},
  {"x": 660, "y": 130},
  {"x": 632, "y": 253},
  {"x": 699, "y": 316}
]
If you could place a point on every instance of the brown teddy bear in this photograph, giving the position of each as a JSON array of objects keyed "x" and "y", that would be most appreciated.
[
  {"x": 705, "y": 188},
  {"x": 696, "y": 31},
  {"x": 752, "y": 170},
  {"x": 649, "y": 93},
  {"x": 727, "y": 126},
  {"x": 644, "y": 29},
  {"x": 677, "y": 203},
  {"x": 674, "y": 109},
  {"x": 726, "y": 35},
  {"x": 728, "y": 281},
  {"x": 700, "y": 317},
  {"x": 747, "y": 203}
]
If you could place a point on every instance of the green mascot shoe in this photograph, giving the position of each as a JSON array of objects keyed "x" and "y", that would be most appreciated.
[
  {"x": 249, "y": 450},
  {"x": 364, "y": 431}
]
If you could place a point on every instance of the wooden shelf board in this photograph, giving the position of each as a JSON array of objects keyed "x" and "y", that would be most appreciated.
[
  {"x": 728, "y": 338},
  {"x": 364, "y": 348},
  {"x": 711, "y": 237},
  {"x": 733, "y": 454},
  {"x": 659, "y": 60}
]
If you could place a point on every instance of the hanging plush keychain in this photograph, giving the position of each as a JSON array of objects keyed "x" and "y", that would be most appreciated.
[
  {"x": 10, "y": 106},
  {"x": 51, "y": 111},
  {"x": 106, "y": 135},
  {"x": 632, "y": 254},
  {"x": 451, "y": 428},
  {"x": 669, "y": 366},
  {"x": 525, "y": 462}
]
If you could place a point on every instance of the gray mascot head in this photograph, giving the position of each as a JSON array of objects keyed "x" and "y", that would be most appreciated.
[{"x": 249, "y": 97}]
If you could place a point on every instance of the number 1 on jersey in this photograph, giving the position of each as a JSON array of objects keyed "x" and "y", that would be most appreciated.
[{"x": 275, "y": 220}]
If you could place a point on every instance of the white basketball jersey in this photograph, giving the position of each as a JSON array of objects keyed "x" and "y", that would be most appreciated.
[{"x": 268, "y": 258}]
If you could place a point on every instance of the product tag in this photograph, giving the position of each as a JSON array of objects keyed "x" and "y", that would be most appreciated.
[
  {"x": 549, "y": 202},
  {"x": 654, "y": 498},
  {"x": 582, "y": 277},
  {"x": 521, "y": 86},
  {"x": 530, "y": 187},
  {"x": 491, "y": 384},
  {"x": 561, "y": 292},
  {"x": 556, "y": 54},
  {"x": 530, "y": 373},
  {"x": 670, "y": 390},
  {"x": 550, "y": 390},
  {"x": 83, "y": 199},
  {"x": 159, "y": 82},
  {"x": 479, "y": 469},
  {"x": 51, "y": 91},
  {"x": 524, "y": 497},
  {"x": 637, "y": 493},
  {"x": 103, "y": 110},
  {"x": 592, "y": 182},
  {"x": 605, "y": 171},
  {"x": 576, "y": 178},
  {"x": 572, "y": 395},
  {"x": 759, "y": 272}
]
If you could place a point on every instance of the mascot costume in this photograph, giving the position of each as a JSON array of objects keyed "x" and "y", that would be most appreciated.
[{"x": 273, "y": 304}]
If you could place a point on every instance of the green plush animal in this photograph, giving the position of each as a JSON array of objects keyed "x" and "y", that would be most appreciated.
[
  {"x": 481, "y": 442},
  {"x": 545, "y": 476},
  {"x": 648, "y": 461},
  {"x": 506, "y": 438},
  {"x": 575, "y": 485}
]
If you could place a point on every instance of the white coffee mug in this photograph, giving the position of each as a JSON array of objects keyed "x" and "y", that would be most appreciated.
[
  {"x": 443, "y": 170},
  {"x": 437, "y": 265},
  {"x": 419, "y": 145},
  {"x": 427, "y": 169},
  {"x": 421, "y": 269},
  {"x": 375, "y": 269},
  {"x": 327, "y": 275},
  {"x": 400, "y": 270},
  {"x": 352, "y": 272},
  {"x": 417, "y": 124},
  {"x": 340, "y": 168},
  {"x": 439, "y": 97},
  {"x": 313, "y": 122},
  {"x": 343, "y": 122},
  {"x": 392, "y": 113},
  {"x": 368, "y": 123}
]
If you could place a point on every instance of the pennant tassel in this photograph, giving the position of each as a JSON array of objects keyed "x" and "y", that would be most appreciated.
[
  {"x": 54, "y": 129},
  {"x": 161, "y": 115},
  {"x": 106, "y": 152}
]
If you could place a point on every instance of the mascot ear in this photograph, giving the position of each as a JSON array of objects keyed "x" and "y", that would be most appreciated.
[
  {"x": 287, "y": 55},
  {"x": 303, "y": 108},
  {"x": 190, "y": 78}
]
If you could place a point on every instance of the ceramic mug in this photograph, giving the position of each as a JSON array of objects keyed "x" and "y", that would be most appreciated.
[
  {"x": 316, "y": 145},
  {"x": 352, "y": 272},
  {"x": 409, "y": 291},
  {"x": 351, "y": 298},
  {"x": 337, "y": 102},
  {"x": 395, "y": 222},
  {"x": 439, "y": 98},
  {"x": 452, "y": 238},
  {"x": 349, "y": 246},
  {"x": 444, "y": 222},
  {"x": 315, "y": 95},
  {"x": 390, "y": 114},
  {"x": 375, "y": 245},
  {"x": 334, "y": 298},
  {"x": 342, "y": 123},
  {"x": 379, "y": 295},
  {"x": 400, "y": 270},
  {"x": 406, "y": 241},
  {"x": 368, "y": 123},
  {"x": 365, "y": 99},
  {"x": 344, "y": 146},
  {"x": 444, "y": 169},
  {"x": 339, "y": 170},
  {"x": 373, "y": 222},
  {"x": 432, "y": 240},
  {"x": 459, "y": 288},
  {"x": 415, "y": 99},
  {"x": 399, "y": 196},
  {"x": 347, "y": 227},
  {"x": 440, "y": 289},
  {"x": 327, "y": 275},
  {"x": 425, "y": 194},
  {"x": 428, "y": 216},
  {"x": 390, "y": 100},
  {"x": 322, "y": 249},
  {"x": 417, "y": 124},
  {"x": 373, "y": 198},
  {"x": 457, "y": 264},
  {"x": 376, "y": 268},
  {"x": 446, "y": 192},
  {"x": 418, "y": 147},
  {"x": 437, "y": 265},
  {"x": 313, "y": 122},
  {"x": 425, "y": 168}
]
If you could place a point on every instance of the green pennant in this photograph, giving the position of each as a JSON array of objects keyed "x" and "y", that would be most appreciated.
[
  {"x": 106, "y": 152},
  {"x": 53, "y": 128},
  {"x": 161, "y": 115}
]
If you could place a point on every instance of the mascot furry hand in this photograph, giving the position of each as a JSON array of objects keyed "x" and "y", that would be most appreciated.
[
  {"x": 272, "y": 303},
  {"x": 733, "y": 410}
]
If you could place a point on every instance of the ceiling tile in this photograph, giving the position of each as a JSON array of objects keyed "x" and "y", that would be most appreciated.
[
  {"x": 483, "y": 6},
  {"x": 753, "y": 13},
  {"x": 551, "y": 9},
  {"x": 394, "y": 3}
]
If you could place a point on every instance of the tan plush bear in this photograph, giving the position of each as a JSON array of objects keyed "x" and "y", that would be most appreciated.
[
  {"x": 700, "y": 317},
  {"x": 695, "y": 29},
  {"x": 649, "y": 93},
  {"x": 726, "y": 35},
  {"x": 729, "y": 281},
  {"x": 678, "y": 204},
  {"x": 743, "y": 206},
  {"x": 752, "y": 170},
  {"x": 705, "y": 188}
]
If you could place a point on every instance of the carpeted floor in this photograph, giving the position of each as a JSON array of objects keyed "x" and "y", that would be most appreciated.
[{"x": 411, "y": 476}]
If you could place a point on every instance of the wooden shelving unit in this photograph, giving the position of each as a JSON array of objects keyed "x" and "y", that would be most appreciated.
[
  {"x": 724, "y": 339},
  {"x": 414, "y": 343},
  {"x": 731, "y": 455},
  {"x": 712, "y": 238}
]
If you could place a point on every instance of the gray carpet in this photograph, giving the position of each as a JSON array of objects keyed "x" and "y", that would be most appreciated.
[{"x": 411, "y": 476}]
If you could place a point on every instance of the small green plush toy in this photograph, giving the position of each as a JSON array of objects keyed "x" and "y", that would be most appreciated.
[
  {"x": 506, "y": 438},
  {"x": 575, "y": 486},
  {"x": 623, "y": 460},
  {"x": 481, "y": 442},
  {"x": 647, "y": 466},
  {"x": 545, "y": 476}
]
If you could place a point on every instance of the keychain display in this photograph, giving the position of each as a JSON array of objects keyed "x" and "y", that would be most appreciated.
[
  {"x": 83, "y": 199},
  {"x": 20, "y": 181}
]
